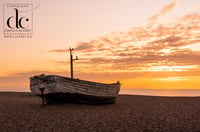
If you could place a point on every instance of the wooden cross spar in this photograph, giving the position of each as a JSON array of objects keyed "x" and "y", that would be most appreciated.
[{"x": 71, "y": 61}]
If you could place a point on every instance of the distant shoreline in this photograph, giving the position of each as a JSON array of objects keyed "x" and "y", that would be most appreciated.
[
  {"x": 119, "y": 94},
  {"x": 147, "y": 92}
]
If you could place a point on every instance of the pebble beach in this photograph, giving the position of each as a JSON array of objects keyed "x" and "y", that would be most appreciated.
[{"x": 20, "y": 111}]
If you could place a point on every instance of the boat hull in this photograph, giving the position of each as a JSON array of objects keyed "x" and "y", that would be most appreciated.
[
  {"x": 58, "y": 89},
  {"x": 77, "y": 98}
]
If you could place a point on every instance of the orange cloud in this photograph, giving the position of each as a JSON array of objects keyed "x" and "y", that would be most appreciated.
[
  {"x": 166, "y": 9},
  {"x": 59, "y": 50},
  {"x": 143, "y": 48}
]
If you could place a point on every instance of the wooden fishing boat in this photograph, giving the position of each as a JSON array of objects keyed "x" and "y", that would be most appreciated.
[
  {"x": 63, "y": 89},
  {"x": 53, "y": 88}
]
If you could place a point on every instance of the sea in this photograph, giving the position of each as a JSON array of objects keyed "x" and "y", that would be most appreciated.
[
  {"x": 146, "y": 92},
  {"x": 162, "y": 92}
]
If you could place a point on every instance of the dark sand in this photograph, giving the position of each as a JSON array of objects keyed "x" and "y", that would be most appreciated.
[{"x": 22, "y": 112}]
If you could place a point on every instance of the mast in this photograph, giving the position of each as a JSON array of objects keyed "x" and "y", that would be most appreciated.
[{"x": 71, "y": 61}]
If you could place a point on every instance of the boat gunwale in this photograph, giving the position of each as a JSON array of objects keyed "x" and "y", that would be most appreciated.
[{"x": 74, "y": 79}]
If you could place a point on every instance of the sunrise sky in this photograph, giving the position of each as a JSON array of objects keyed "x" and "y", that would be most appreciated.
[{"x": 144, "y": 44}]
